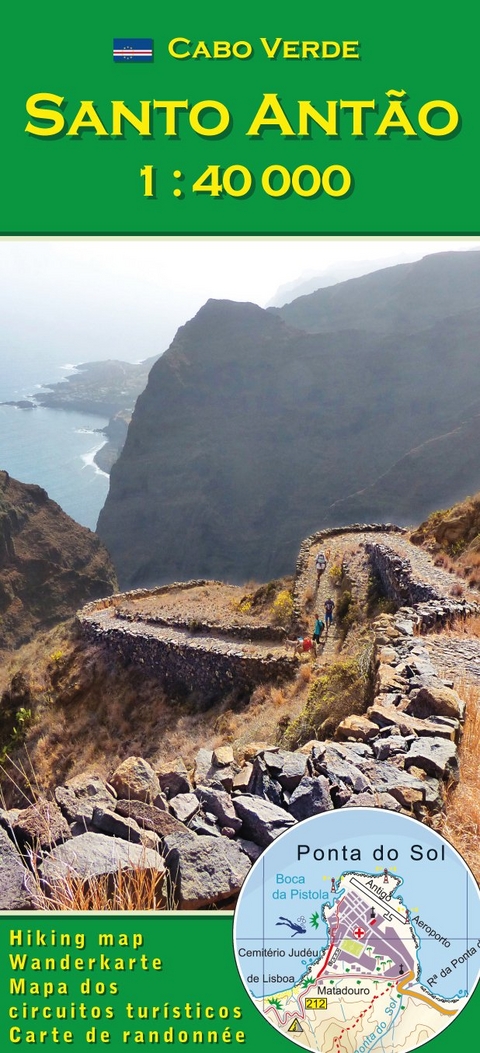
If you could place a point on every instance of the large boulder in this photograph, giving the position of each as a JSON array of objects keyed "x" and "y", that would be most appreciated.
[
  {"x": 401, "y": 721},
  {"x": 92, "y": 855},
  {"x": 136, "y": 780},
  {"x": 287, "y": 768},
  {"x": 14, "y": 894},
  {"x": 435, "y": 699},
  {"x": 262, "y": 821},
  {"x": 410, "y": 792},
  {"x": 358, "y": 727},
  {"x": 220, "y": 804},
  {"x": 210, "y": 771},
  {"x": 222, "y": 756},
  {"x": 434, "y": 756},
  {"x": 109, "y": 822},
  {"x": 184, "y": 806},
  {"x": 372, "y": 800},
  {"x": 41, "y": 825},
  {"x": 149, "y": 817},
  {"x": 263, "y": 783},
  {"x": 389, "y": 679},
  {"x": 80, "y": 795},
  {"x": 242, "y": 779},
  {"x": 173, "y": 779},
  {"x": 311, "y": 797},
  {"x": 204, "y": 870},
  {"x": 328, "y": 761}
]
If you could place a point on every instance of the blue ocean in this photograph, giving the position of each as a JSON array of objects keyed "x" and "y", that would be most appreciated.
[{"x": 50, "y": 447}]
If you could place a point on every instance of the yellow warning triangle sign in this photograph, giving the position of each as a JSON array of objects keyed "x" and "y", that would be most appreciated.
[{"x": 295, "y": 1025}]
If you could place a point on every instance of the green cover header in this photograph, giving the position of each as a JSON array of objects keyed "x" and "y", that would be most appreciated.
[{"x": 240, "y": 122}]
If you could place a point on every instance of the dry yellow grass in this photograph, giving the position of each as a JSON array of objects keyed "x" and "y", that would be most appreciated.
[
  {"x": 132, "y": 888},
  {"x": 472, "y": 626},
  {"x": 89, "y": 713},
  {"x": 461, "y": 822},
  {"x": 466, "y": 565},
  {"x": 305, "y": 672}
]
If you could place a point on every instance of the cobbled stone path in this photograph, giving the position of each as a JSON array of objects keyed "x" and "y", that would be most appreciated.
[
  {"x": 456, "y": 653},
  {"x": 180, "y": 637}
]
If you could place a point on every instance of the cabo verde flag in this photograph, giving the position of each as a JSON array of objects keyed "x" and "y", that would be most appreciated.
[{"x": 132, "y": 49}]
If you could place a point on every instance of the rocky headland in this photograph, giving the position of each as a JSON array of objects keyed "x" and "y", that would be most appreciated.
[{"x": 106, "y": 388}]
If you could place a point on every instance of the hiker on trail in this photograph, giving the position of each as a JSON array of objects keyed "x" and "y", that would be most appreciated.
[
  {"x": 329, "y": 605},
  {"x": 320, "y": 564},
  {"x": 317, "y": 629}
]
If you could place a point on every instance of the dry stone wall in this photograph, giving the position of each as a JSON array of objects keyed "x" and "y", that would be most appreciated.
[
  {"x": 203, "y": 660},
  {"x": 415, "y": 720},
  {"x": 425, "y": 604},
  {"x": 209, "y": 659}
]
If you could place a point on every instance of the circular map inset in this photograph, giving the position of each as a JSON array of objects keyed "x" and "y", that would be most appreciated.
[{"x": 359, "y": 930}]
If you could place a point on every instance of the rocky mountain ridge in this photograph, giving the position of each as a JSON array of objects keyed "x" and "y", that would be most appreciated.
[
  {"x": 251, "y": 432},
  {"x": 49, "y": 564}
]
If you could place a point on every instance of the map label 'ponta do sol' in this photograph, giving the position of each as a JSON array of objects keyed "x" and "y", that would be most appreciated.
[{"x": 322, "y": 855}]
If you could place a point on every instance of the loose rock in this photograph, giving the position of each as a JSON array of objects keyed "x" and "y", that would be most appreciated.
[
  {"x": 262, "y": 820},
  {"x": 135, "y": 780},
  {"x": 205, "y": 871}
]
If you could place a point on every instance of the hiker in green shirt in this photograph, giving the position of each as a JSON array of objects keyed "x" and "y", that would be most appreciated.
[{"x": 317, "y": 630}]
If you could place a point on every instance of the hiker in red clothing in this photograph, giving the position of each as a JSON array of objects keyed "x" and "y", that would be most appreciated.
[{"x": 303, "y": 644}]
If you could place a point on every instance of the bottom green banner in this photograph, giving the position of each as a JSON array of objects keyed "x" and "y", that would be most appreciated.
[{"x": 125, "y": 980}]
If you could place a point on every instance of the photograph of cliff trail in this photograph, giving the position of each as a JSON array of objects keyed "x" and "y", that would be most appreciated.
[{"x": 239, "y": 555}]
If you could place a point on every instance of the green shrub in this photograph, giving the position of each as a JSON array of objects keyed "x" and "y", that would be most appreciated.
[
  {"x": 56, "y": 657},
  {"x": 348, "y": 611},
  {"x": 335, "y": 575},
  {"x": 195, "y": 625},
  {"x": 282, "y": 608},
  {"x": 23, "y": 718},
  {"x": 332, "y": 697},
  {"x": 244, "y": 606},
  {"x": 457, "y": 547}
]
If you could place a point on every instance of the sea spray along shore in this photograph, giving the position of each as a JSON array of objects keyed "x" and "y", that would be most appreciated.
[
  {"x": 60, "y": 439},
  {"x": 90, "y": 459},
  {"x": 95, "y": 399}
]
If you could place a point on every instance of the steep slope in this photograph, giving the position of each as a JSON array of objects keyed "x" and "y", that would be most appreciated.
[
  {"x": 249, "y": 431},
  {"x": 438, "y": 471},
  {"x": 398, "y": 299},
  {"x": 49, "y": 565}
]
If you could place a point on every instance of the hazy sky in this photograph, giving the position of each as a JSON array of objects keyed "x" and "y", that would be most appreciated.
[{"x": 86, "y": 298}]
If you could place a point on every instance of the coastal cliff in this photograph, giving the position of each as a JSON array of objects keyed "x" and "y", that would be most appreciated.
[{"x": 252, "y": 433}]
